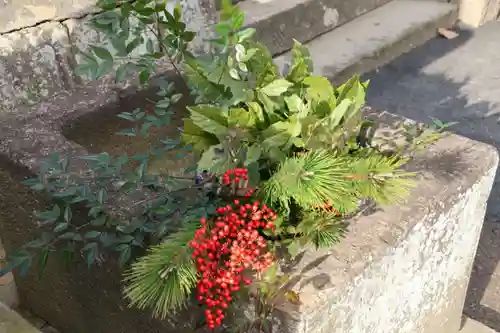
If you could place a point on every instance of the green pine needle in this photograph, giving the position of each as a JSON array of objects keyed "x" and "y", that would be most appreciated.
[
  {"x": 323, "y": 227},
  {"x": 323, "y": 176},
  {"x": 311, "y": 179},
  {"x": 164, "y": 278}
]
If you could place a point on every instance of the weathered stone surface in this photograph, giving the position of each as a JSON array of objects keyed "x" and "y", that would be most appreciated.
[
  {"x": 18, "y": 14},
  {"x": 403, "y": 269},
  {"x": 34, "y": 64},
  {"x": 279, "y": 22},
  {"x": 376, "y": 37},
  {"x": 11, "y": 322},
  {"x": 406, "y": 268},
  {"x": 472, "y": 326}
]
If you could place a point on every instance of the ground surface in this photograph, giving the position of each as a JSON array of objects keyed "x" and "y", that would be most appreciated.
[{"x": 456, "y": 80}]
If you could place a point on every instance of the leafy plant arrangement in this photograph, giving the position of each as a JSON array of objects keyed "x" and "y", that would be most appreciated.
[{"x": 284, "y": 160}]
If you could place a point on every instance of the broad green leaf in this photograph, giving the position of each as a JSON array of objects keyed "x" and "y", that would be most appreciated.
[
  {"x": 195, "y": 136},
  {"x": 296, "y": 105},
  {"x": 257, "y": 112},
  {"x": 215, "y": 159},
  {"x": 319, "y": 88},
  {"x": 253, "y": 154},
  {"x": 261, "y": 64},
  {"x": 61, "y": 227},
  {"x": 276, "y": 88},
  {"x": 301, "y": 65},
  {"x": 102, "y": 53},
  {"x": 223, "y": 28},
  {"x": 210, "y": 118},
  {"x": 280, "y": 133},
  {"x": 268, "y": 104},
  {"x": 294, "y": 248},
  {"x": 339, "y": 113},
  {"x": 240, "y": 117}
]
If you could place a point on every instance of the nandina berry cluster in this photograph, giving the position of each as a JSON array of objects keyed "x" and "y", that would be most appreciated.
[
  {"x": 226, "y": 249},
  {"x": 234, "y": 176}
]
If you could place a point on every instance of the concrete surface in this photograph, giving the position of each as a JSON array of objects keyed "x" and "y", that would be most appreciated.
[
  {"x": 377, "y": 37},
  {"x": 11, "y": 322},
  {"x": 474, "y": 13},
  {"x": 456, "y": 80},
  {"x": 278, "y": 22},
  {"x": 472, "y": 326}
]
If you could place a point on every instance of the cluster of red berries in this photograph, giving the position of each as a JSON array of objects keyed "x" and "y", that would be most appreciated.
[
  {"x": 226, "y": 249},
  {"x": 236, "y": 176}
]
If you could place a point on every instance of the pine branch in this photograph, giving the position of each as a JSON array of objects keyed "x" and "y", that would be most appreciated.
[
  {"x": 311, "y": 179},
  {"x": 324, "y": 176},
  {"x": 164, "y": 278},
  {"x": 381, "y": 177},
  {"x": 323, "y": 227}
]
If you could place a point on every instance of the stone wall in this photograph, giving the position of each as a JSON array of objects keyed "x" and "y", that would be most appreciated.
[{"x": 39, "y": 42}]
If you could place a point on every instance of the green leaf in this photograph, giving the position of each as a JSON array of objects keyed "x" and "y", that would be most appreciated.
[
  {"x": 125, "y": 255},
  {"x": 68, "y": 214},
  {"x": 92, "y": 234},
  {"x": 100, "y": 221},
  {"x": 245, "y": 34},
  {"x": 102, "y": 196},
  {"x": 61, "y": 227},
  {"x": 296, "y": 105},
  {"x": 240, "y": 117},
  {"x": 257, "y": 112},
  {"x": 238, "y": 21},
  {"x": 195, "y": 136},
  {"x": 280, "y": 133},
  {"x": 319, "y": 88},
  {"x": 253, "y": 154},
  {"x": 127, "y": 116},
  {"x": 210, "y": 118},
  {"x": 102, "y": 53},
  {"x": 103, "y": 68},
  {"x": 301, "y": 65},
  {"x": 92, "y": 250},
  {"x": 233, "y": 73},
  {"x": 223, "y": 29},
  {"x": 42, "y": 261},
  {"x": 144, "y": 76},
  {"x": 67, "y": 235},
  {"x": 35, "y": 244},
  {"x": 276, "y": 88},
  {"x": 128, "y": 132},
  {"x": 294, "y": 248},
  {"x": 215, "y": 159},
  {"x": 270, "y": 273}
]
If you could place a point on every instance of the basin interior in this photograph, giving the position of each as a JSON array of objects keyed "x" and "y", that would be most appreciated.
[{"x": 97, "y": 131}]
